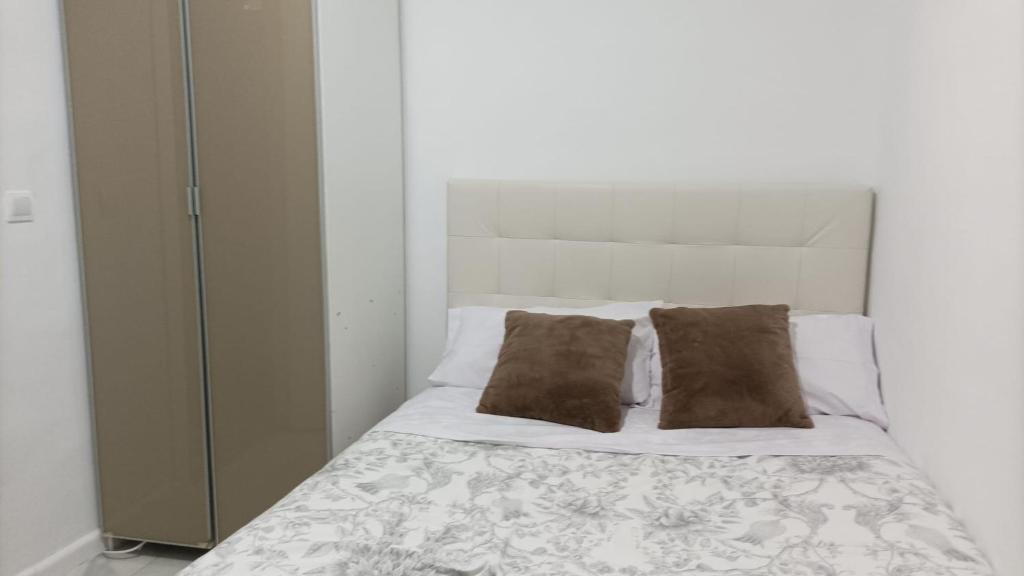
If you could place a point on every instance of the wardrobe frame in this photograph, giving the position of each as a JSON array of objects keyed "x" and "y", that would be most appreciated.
[{"x": 193, "y": 195}]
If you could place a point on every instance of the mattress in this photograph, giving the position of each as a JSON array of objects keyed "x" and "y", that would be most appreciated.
[{"x": 436, "y": 489}]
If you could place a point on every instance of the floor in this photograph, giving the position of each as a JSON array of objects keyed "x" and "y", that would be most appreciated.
[{"x": 153, "y": 560}]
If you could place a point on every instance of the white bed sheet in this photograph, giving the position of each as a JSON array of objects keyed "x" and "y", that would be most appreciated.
[{"x": 450, "y": 413}]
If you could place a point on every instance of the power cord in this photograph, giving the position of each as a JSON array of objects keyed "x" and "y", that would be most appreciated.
[{"x": 125, "y": 553}]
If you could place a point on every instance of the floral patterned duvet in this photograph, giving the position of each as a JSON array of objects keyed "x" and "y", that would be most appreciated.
[{"x": 400, "y": 504}]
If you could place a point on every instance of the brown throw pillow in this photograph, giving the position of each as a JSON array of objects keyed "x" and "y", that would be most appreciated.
[
  {"x": 564, "y": 369},
  {"x": 728, "y": 367}
]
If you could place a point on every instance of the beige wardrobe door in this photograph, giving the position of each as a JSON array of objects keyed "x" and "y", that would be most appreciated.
[
  {"x": 127, "y": 89},
  {"x": 253, "y": 80}
]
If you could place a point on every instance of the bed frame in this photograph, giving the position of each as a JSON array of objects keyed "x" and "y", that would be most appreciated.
[{"x": 519, "y": 243}]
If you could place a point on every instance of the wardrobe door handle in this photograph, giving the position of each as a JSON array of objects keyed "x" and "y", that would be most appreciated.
[{"x": 192, "y": 199}]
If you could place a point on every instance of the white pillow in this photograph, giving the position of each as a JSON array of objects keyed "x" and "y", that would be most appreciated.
[
  {"x": 475, "y": 335},
  {"x": 835, "y": 361}
]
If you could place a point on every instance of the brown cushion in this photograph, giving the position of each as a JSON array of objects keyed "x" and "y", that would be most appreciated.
[
  {"x": 564, "y": 369},
  {"x": 728, "y": 367}
]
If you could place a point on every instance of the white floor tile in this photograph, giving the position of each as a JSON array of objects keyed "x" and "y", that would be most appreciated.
[
  {"x": 154, "y": 560},
  {"x": 103, "y": 566},
  {"x": 163, "y": 567}
]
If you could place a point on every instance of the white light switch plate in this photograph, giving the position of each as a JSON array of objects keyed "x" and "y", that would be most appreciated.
[{"x": 18, "y": 206}]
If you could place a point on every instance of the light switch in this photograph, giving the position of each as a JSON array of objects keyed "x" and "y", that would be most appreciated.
[{"x": 18, "y": 206}]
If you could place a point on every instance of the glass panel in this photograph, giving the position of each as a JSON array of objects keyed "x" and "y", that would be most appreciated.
[
  {"x": 127, "y": 87},
  {"x": 253, "y": 72}
]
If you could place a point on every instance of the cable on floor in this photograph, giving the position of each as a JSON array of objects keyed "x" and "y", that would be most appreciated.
[{"x": 124, "y": 553}]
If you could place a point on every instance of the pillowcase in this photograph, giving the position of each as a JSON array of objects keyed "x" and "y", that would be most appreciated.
[
  {"x": 564, "y": 369},
  {"x": 728, "y": 367},
  {"x": 475, "y": 335},
  {"x": 835, "y": 361}
]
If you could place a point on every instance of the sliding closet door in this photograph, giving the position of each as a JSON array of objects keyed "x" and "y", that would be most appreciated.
[
  {"x": 254, "y": 77},
  {"x": 127, "y": 89}
]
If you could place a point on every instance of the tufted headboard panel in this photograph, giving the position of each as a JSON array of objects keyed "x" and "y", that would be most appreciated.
[{"x": 517, "y": 243}]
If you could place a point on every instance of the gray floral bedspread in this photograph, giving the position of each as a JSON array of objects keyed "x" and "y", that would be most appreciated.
[{"x": 397, "y": 504}]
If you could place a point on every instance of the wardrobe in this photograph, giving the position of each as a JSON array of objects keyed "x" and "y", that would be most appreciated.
[{"x": 198, "y": 136}]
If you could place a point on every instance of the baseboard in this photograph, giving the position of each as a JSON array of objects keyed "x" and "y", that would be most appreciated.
[{"x": 61, "y": 562}]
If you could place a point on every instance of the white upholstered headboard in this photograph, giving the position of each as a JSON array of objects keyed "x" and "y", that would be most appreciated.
[{"x": 515, "y": 244}]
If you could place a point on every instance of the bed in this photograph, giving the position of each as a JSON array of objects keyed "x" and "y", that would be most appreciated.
[{"x": 439, "y": 489}]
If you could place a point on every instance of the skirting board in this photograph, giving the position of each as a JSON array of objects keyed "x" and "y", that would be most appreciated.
[{"x": 64, "y": 560}]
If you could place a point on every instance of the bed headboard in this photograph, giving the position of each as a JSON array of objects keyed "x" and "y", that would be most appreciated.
[{"x": 517, "y": 243}]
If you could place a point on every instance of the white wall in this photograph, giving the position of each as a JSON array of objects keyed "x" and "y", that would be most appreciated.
[
  {"x": 361, "y": 139},
  {"x": 948, "y": 274},
  {"x": 47, "y": 495},
  {"x": 625, "y": 89}
]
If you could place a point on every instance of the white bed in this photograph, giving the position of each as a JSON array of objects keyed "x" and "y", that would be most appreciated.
[{"x": 438, "y": 489}]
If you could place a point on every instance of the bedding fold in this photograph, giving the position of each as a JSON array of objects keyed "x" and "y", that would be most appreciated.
[{"x": 449, "y": 413}]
